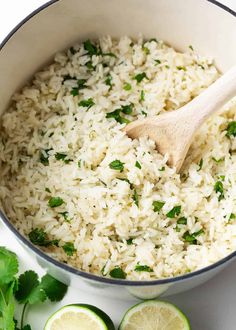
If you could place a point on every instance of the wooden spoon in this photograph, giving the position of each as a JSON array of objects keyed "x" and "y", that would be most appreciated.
[{"x": 173, "y": 131}]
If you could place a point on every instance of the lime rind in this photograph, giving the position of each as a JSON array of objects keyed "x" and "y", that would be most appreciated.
[{"x": 158, "y": 303}]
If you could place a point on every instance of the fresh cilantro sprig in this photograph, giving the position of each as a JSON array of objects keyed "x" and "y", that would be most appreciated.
[{"x": 27, "y": 289}]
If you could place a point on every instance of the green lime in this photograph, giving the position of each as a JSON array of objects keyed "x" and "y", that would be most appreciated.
[
  {"x": 154, "y": 315},
  {"x": 79, "y": 317}
]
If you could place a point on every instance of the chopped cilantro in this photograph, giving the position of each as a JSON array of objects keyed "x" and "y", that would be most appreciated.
[
  {"x": 126, "y": 180},
  {"x": 146, "y": 50},
  {"x": 162, "y": 169},
  {"x": 47, "y": 190},
  {"x": 117, "y": 272},
  {"x": 91, "y": 48},
  {"x": 144, "y": 113},
  {"x": 143, "y": 268},
  {"x": 167, "y": 66},
  {"x": 140, "y": 76},
  {"x": 79, "y": 163},
  {"x": 87, "y": 103},
  {"x": 157, "y": 205},
  {"x": 129, "y": 241},
  {"x": 142, "y": 96},
  {"x": 126, "y": 109},
  {"x": 69, "y": 248},
  {"x": 81, "y": 83},
  {"x": 179, "y": 67},
  {"x": 117, "y": 165},
  {"x": 55, "y": 202},
  {"x": 191, "y": 47},
  {"x": 39, "y": 237},
  {"x": 44, "y": 156},
  {"x": 127, "y": 87},
  {"x": 218, "y": 160},
  {"x": 74, "y": 91},
  {"x": 157, "y": 62},
  {"x": 65, "y": 216},
  {"x": 200, "y": 165},
  {"x": 191, "y": 238},
  {"x": 232, "y": 216},
  {"x": 62, "y": 156},
  {"x": 231, "y": 129},
  {"x": 218, "y": 187},
  {"x": 89, "y": 65},
  {"x": 136, "y": 197},
  {"x": 138, "y": 165},
  {"x": 182, "y": 221},
  {"x": 174, "y": 212}
]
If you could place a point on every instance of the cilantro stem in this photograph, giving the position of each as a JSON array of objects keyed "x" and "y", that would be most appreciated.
[
  {"x": 23, "y": 316},
  {"x": 3, "y": 298}
]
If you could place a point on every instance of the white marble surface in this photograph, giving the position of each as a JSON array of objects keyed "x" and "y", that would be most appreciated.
[{"x": 209, "y": 307}]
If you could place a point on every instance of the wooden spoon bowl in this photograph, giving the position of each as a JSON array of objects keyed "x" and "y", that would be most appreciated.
[{"x": 173, "y": 131}]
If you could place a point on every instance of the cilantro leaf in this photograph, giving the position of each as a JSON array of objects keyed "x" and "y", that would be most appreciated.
[
  {"x": 219, "y": 188},
  {"x": 157, "y": 205},
  {"x": 29, "y": 290},
  {"x": 117, "y": 272},
  {"x": 140, "y": 76},
  {"x": 129, "y": 241},
  {"x": 191, "y": 238},
  {"x": 182, "y": 221},
  {"x": 231, "y": 129},
  {"x": 142, "y": 96},
  {"x": 39, "y": 237},
  {"x": 143, "y": 268},
  {"x": 69, "y": 248},
  {"x": 127, "y": 87},
  {"x": 55, "y": 202},
  {"x": 91, "y": 48},
  {"x": 54, "y": 289},
  {"x": 157, "y": 62},
  {"x": 138, "y": 165},
  {"x": 8, "y": 266},
  {"x": 87, "y": 103},
  {"x": 174, "y": 211},
  {"x": 136, "y": 197},
  {"x": 27, "y": 327},
  {"x": 44, "y": 156},
  {"x": 117, "y": 165},
  {"x": 200, "y": 165},
  {"x": 62, "y": 156}
]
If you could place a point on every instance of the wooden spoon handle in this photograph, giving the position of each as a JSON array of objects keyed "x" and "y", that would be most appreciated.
[{"x": 213, "y": 98}]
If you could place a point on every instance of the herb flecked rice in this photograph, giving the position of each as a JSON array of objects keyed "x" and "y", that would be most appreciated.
[{"x": 80, "y": 189}]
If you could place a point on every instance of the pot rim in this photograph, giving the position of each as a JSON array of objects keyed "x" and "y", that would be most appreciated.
[{"x": 77, "y": 272}]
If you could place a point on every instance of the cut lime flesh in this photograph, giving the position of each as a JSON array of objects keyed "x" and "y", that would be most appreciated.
[
  {"x": 79, "y": 317},
  {"x": 154, "y": 315}
]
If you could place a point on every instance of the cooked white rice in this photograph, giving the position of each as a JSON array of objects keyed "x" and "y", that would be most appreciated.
[{"x": 106, "y": 225}]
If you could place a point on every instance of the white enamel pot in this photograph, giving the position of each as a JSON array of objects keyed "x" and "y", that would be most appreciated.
[{"x": 207, "y": 25}]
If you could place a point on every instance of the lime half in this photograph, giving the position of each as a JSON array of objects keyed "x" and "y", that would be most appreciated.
[
  {"x": 79, "y": 317},
  {"x": 154, "y": 315}
]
